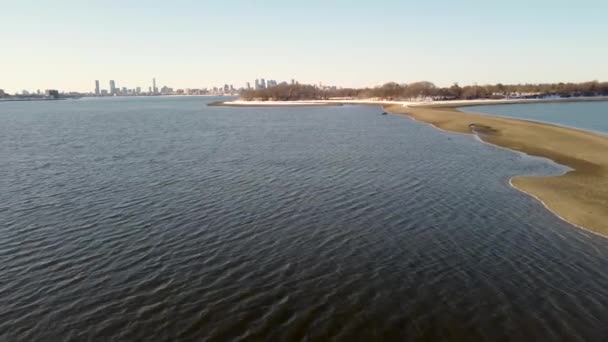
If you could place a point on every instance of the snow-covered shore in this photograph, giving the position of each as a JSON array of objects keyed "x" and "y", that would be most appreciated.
[
  {"x": 307, "y": 102},
  {"x": 450, "y": 103}
]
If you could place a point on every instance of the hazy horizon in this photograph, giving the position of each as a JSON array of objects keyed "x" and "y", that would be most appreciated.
[{"x": 185, "y": 44}]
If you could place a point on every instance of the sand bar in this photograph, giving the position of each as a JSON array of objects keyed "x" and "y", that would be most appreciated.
[{"x": 579, "y": 196}]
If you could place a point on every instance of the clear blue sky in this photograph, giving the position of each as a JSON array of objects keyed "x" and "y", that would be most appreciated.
[{"x": 67, "y": 44}]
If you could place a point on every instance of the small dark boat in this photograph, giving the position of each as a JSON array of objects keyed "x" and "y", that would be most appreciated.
[{"x": 384, "y": 113}]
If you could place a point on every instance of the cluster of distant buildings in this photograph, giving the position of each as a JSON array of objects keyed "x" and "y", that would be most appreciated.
[
  {"x": 35, "y": 95},
  {"x": 226, "y": 89},
  {"x": 115, "y": 90},
  {"x": 263, "y": 84},
  {"x": 152, "y": 90}
]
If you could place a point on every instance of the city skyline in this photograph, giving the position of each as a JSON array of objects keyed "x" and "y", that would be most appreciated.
[
  {"x": 567, "y": 89},
  {"x": 153, "y": 89},
  {"x": 197, "y": 45},
  {"x": 115, "y": 89}
]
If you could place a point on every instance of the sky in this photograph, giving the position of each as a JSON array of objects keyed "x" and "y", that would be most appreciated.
[{"x": 67, "y": 44}]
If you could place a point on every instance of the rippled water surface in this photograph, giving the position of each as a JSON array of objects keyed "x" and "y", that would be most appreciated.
[
  {"x": 591, "y": 116},
  {"x": 162, "y": 219}
]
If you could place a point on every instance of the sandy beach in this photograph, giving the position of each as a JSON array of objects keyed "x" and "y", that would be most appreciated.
[{"x": 579, "y": 196}]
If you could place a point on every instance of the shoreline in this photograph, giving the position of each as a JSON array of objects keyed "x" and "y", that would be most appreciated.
[
  {"x": 427, "y": 104},
  {"x": 478, "y": 138},
  {"x": 301, "y": 103},
  {"x": 556, "y": 214},
  {"x": 579, "y": 196},
  {"x": 33, "y": 99}
]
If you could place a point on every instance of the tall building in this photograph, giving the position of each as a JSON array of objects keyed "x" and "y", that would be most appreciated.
[
  {"x": 293, "y": 81},
  {"x": 112, "y": 87},
  {"x": 97, "y": 87},
  {"x": 262, "y": 83},
  {"x": 248, "y": 86},
  {"x": 154, "y": 89}
]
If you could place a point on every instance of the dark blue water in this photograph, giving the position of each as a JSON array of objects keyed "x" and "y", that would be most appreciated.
[
  {"x": 591, "y": 116},
  {"x": 164, "y": 219}
]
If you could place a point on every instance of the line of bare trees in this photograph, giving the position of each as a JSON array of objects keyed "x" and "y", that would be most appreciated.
[{"x": 417, "y": 90}]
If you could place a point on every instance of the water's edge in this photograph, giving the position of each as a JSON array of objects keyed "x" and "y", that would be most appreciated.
[{"x": 510, "y": 181}]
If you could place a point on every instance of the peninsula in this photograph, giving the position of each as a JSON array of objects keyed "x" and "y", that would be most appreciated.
[{"x": 579, "y": 196}]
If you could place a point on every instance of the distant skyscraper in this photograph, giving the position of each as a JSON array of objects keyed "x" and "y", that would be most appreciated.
[
  {"x": 112, "y": 87},
  {"x": 97, "y": 87},
  {"x": 154, "y": 89},
  {"x": 293, "y": 81},
  {"x": 248, "y": 85},
  {"x": 262, "y": 83}
]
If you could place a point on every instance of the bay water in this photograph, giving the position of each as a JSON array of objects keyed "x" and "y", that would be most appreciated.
[{"x": 165, "y": 219}]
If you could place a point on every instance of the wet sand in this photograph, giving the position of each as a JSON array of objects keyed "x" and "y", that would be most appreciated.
[{"x": 579, "y": 196}]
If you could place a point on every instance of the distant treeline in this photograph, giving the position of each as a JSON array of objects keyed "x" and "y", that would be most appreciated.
[{"x": 420, "y": 90}]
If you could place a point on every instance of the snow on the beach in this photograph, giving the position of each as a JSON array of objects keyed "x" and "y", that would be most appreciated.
[
  {"x": 311, "y": 102},
  {"x": 385, "y": 102}
]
